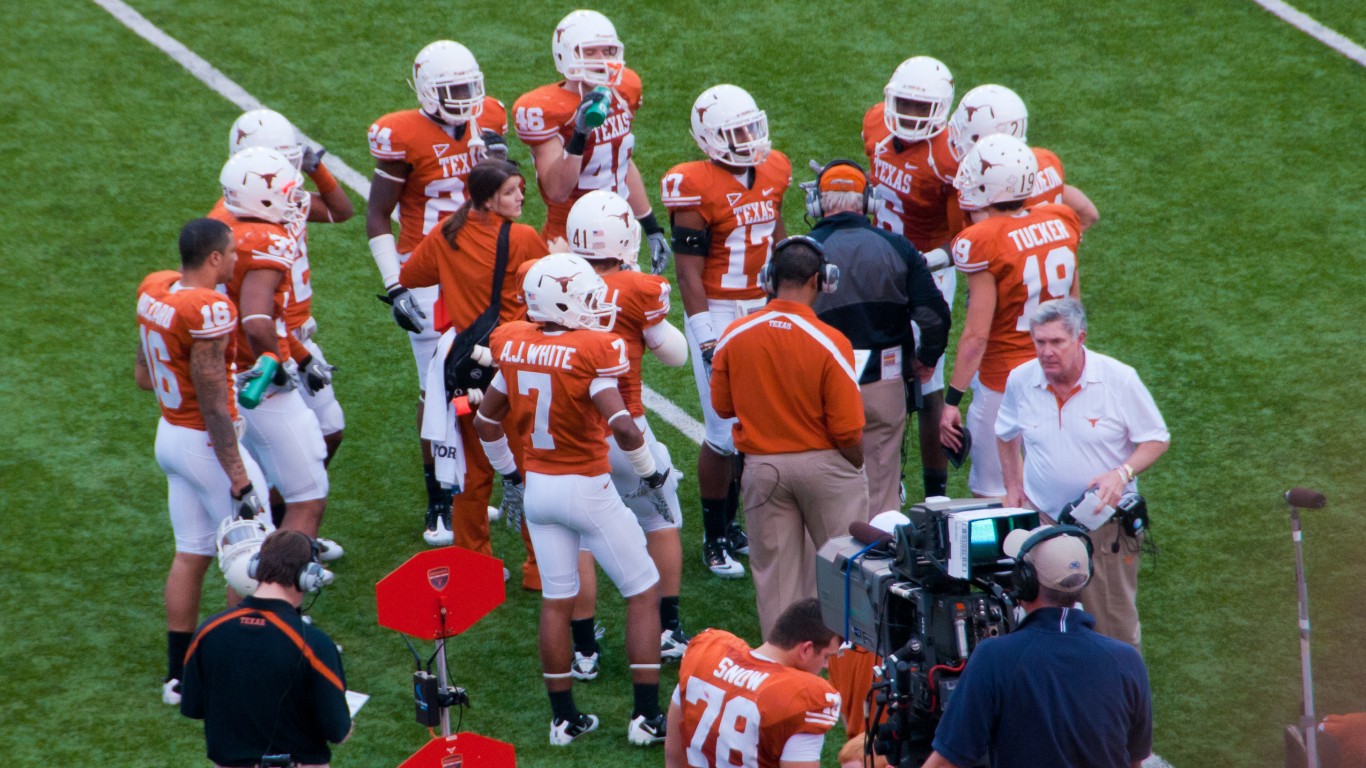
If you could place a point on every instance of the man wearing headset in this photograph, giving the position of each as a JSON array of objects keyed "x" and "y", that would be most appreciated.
[
  {"x": 266, "y": 684},
  {"x": 802, "y": 435},
  {"x": 885, "y": 285},
  {"x": 1053, "y": 692}
]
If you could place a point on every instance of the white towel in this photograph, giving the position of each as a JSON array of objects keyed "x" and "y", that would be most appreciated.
[{"x": 438, "y": 420}]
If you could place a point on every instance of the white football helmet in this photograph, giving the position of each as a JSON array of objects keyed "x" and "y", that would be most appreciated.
[
  {"x": 584, "y": 29},
  {"x": 999, "y": 169},
  {"x": 563, "y": 288},
  {"x": 266, "y": 128},
  {"x": 602, "y": 226},
  {"x": 448, "y": 82},
  {"x": 261, "y": 183},
  {"x": 730, "y": 127},
  {"x": 238, "y": 542},
  {"x": 918, "y": 98},
  {"x": 983, "y": 111}
]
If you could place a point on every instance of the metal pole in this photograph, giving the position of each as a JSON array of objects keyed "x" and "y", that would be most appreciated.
[
  {"x": 1308, "y": 722},
  {"x": 442, "y": 677}
]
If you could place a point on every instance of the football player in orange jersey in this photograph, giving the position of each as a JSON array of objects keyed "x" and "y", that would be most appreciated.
[
  {"x": 1014, "y": 257},
  {"x": 991, "y": 109},
  {"x": 912, "y": 170},
  {"x": 185, "y": 356},
  {"x": 263, "y": 199},
  {"x": 726, "y": 213},
  {"x": 266, "y": 128},
  {"x": 602, "y": 232},
  {"x": 557, "y": 387},
  {"x": 765, "y": 707},
  {"x": 573, "y": 155},
  {"x": 423, "y": 159}
]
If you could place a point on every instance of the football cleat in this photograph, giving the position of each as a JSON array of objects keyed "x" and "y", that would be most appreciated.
[
  {"x": 564, "y": 731},
  {"x": 329, "y": 550},
  {"x": 170, "y": 692},
  {"x": 585, "y": 668},
  {"x": 438, "y": 532},
  {"x": 737, "y": 541},
  {"x": 716, "y": 555},
  {"x": 673, "y": 644},
  {"x": 646, "y": 731}
]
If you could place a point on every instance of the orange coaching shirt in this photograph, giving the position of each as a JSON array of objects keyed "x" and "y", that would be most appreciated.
[
  {"x": 547, "y": 378},
  {"x": 1033, "y": 257},
  {"x": 790, "y": 380},
  {"x": 441, "y": 164},
  {"x": 170, "y": 319},
  {"x": 748, "y": 706},
  {"x": 740, "y": 219}
]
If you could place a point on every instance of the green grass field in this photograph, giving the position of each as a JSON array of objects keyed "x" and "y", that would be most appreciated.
[{"x": 1220, "y": 144}]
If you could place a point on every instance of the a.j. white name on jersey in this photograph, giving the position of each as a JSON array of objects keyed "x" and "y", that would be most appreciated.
[{"x": 547, "y": 355}]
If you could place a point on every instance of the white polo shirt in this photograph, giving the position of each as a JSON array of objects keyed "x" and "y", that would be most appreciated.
[{"x": 1094, "y": 431}]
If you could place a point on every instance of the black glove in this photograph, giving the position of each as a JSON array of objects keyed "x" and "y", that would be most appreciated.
[
  {"x": 248, "y": 505},
  {"x": 652, "y": 489},
  {"x": 660, "y": 252},
  {"x": 312, "y": 159},
  {"x": 513, "y": 504},
  {"x": 495, "y": 145},
  {"x": 315, "y": 374},
  {"x": 708, "y": 349},
  {"x": 407, "y": 313}
]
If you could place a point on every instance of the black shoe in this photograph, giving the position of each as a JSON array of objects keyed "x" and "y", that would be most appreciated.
[
  {"x": 716, "y": 554},
  {"x": 737, "y": 541}
]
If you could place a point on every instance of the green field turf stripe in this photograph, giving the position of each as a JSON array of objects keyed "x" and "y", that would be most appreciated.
[
  {"x": 1308, "y": 25},
  {"x": 223, "y": 85}
]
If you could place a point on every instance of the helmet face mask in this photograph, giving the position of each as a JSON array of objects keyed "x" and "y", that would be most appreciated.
[
  {"x": 999, "y": 169},
  {"x": 564, "y": 290},
  {"x": 587, "y": 50},
  {"x": 984, "y": 111},
  {"x": 266, "y": 128},
  {"x": 730, "y": 128},
  {"x": 449, "y": 83},
  {"x": 602, "y": 226},
  {"x": 261, "y": 183},
  {"x": 918, "y": 98}
]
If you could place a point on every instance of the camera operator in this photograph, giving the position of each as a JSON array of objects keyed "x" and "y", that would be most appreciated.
[
  {"x": 266, "y": 684},
  {"x": 884, "y": 285},
  {"x": 1054, "y": 692},
  {"x": 1084, "y": 420}
]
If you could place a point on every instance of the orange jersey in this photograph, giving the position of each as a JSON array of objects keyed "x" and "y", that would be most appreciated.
[
  {"x": 170, "y": 319},
  {"x": 300, "y": 306},
  {"x": 1049, "y": 183},
  {"x": 260, "y": 245},
  {"x": 547, "y": 113},
  {"x": 547, "y": 377},
  {"x": 912, "y": 183},
  {"x": 820, "y": 408},
  {"x": 440, "y": 164},
  {"x": 747, "y": 706},
  {"x": 739, "y": 219},
  {"x": 1032, "y": 257},
  {"x": 465, "y": 273},
  {"x": 642, "y": 301}
]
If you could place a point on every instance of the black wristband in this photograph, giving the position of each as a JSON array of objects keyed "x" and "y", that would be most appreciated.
[
  {"x": 514, "y": 477},
  {"x": 649, "y": 224},
  {"x": 245, "y": 490},
  {"x": 953, "y": 396},
  {"x": 576, "y": 142}
]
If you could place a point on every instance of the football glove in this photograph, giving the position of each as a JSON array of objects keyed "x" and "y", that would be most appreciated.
[
  {"x": 315, "y": 374},
  {"x": 312, "y": 159},
  {"x": 407, "y": 313},
  {"x": 660, "y": 252},
  {"x": 590, "y": 100},
  {"x": 514, "y": 493},
  {"x": 652, "y": 490},
  {"x": 495, "y": 146},
  {"x": 247, "y": 504},
  {"x": 708, "y": 349},
  {"x": 285, "y": 376}
]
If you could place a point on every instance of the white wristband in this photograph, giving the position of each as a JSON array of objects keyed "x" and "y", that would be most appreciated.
[
  {"x": 642, "y": 460},
  {"x": 700, "y": 327},
  {"x": 500, "y": 455},
  {"x": 386, "y": 258}
]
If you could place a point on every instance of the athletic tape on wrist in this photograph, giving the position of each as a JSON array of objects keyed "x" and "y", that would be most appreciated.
[
  {"x": 642, "y": 460},
  {"x": 500, "y": 455},
  {"x": 386, "y": 258}
]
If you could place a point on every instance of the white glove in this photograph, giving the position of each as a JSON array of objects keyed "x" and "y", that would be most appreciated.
[{"x": 652, "y": 489}]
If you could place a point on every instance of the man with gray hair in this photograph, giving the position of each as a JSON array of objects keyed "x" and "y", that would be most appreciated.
[
  {"x": 884, "y": 286},
  {"x": 1085, "y": 422}
]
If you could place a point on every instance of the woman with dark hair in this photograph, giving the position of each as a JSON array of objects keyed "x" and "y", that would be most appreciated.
[{"x": 460, "y": 256}]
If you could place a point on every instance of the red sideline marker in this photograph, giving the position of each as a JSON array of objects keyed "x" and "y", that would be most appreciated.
[
  {"x": 466, "y": 584},
  {"x": 463, "y": 750}
]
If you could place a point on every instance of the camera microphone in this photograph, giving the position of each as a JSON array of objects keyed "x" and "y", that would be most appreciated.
[
  {"x": 1303, "y": 498},
  {"x": 869, "y": 534}
]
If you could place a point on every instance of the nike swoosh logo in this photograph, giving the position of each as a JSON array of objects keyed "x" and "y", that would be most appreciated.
[{"x": 768, "y": 191}]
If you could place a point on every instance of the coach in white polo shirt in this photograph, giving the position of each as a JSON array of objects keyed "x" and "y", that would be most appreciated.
[{"x": 1083, "y": 420}]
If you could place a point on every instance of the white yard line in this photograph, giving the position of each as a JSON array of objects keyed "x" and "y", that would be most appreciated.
[
  {"x": 225, "y": 87},
  {"x": 1306, "y": 24}
]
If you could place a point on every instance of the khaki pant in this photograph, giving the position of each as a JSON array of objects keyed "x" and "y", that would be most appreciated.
[
  {"x": 884, "y": 410},
  {"x": 1112, "y": 594},
  {"x": 794, "y": 503}
]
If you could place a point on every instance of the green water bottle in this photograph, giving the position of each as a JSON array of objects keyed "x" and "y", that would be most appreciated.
[
  {"x": 597, "y": 114},
  {"x": 250, "y": 395}
]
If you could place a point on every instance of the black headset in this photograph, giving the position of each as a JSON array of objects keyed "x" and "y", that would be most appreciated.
[
  {"x": 827, "y": 274},
  {"x": 311, "y": 575},
  {"x": 813, "y": 192},
  {"x": 1025, "y": 579}
]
